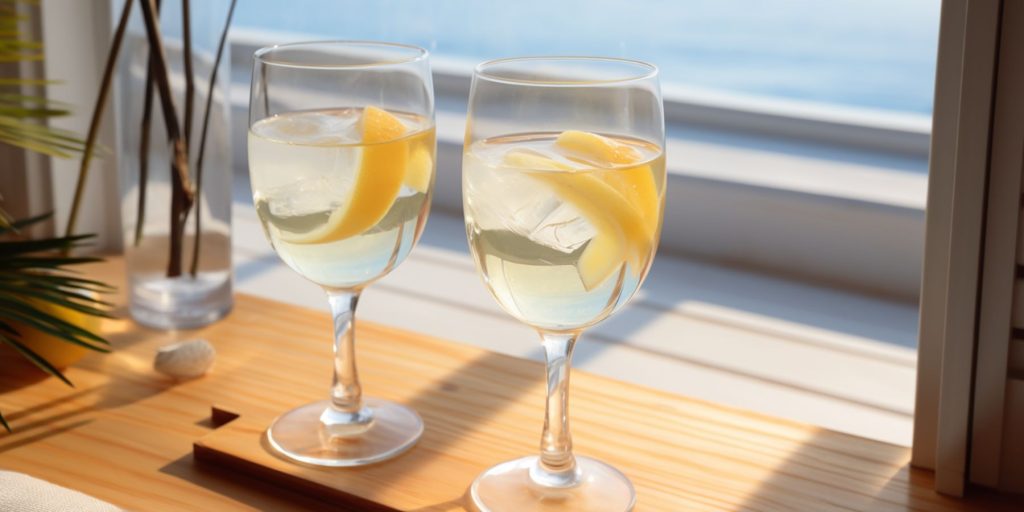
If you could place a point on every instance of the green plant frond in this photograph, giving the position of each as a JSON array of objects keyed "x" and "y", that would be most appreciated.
[
  {"x": 60, "y": 297},
  {"x": 65, "y": 297},
  {"x": 15, "y": 48},
  {"x": 37, "y": 131},
  {"x": 15, "y": 248},
  {"x": 64, "y": 280},
  {"x": 30, "y": 99},
  {"x": 31, "y": 131},
  {"x": 46, "y": 263},
  {"x": 7, "y": 224},
  {"x": 43, "y": 364},
  {"x": 22, "y": 112},
  {"x": 35, "y": 146},
  {"x": 49, "y": 140},
  {"x": 19, "y": 311},
  {"x": 64, "y": 288},
  {"x": 30, "y": 128},
  {"x": 5, "y": 327},
  {"x": 21, "y": 57},
  {"x": 18, "y": 131}
]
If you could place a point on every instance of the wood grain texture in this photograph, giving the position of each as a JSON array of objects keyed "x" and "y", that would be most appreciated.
[{"x": 125, "y": 434}]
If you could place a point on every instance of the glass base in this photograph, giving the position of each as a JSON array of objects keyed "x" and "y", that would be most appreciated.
[
  {"x": 300, "y": 435},
  {"x": 181, "y": 302},
  {"x": 508, "y": 487}
]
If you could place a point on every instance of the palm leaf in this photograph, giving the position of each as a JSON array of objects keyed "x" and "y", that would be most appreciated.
[
  {"x": 60, "y": 297},
  {"x": 15, "y": 248},
  {"x": 20, "y": 311},
  {"x": 14, "y": 225},
  {"x": 33, "y": 271},
  {"x": 66, "y": 280},
  {"x": 23, "y": 116}
]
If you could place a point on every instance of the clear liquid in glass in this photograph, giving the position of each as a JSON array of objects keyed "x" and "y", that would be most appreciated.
[
  {"x": 340, "y": 211},
  {"x": 562, "y": 238}
]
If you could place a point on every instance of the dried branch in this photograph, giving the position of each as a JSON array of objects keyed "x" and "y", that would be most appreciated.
[
  {"x": 97, "y": 116},
  {"x": 190, "y": 81},
  {"x": 182, "y": 194},
  {"x": 161, "y": 72},
  {"x": 147, "y": 116},
  {"x": 202, "y": 135}
]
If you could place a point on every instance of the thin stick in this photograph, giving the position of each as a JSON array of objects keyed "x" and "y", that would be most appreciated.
[
  {"x": 97, "y": 116},
  {"x": 161, "y": 74},
  {"x": 190, "y": 82},
  {"x": 147, "y": 115},
  {"x": 182, "y": 195},
  {"x": 202, "y": 137}
]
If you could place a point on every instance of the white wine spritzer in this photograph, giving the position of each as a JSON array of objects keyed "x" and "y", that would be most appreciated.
[
  {"x": 563, "y": 227},
  {"x": 342, "y": 188},
  {"x": 343, "y": 194}
]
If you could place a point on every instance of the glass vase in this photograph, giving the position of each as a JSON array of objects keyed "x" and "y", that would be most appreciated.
[{"x": 177, "y": 230}]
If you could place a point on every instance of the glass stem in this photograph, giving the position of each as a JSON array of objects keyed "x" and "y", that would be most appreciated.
[
  {"x": 346, "y": 414},
  {"x": 557, "y": 466}
]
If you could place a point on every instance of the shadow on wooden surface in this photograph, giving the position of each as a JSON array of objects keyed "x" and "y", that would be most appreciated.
[
  {"x": 822, "y": 475},
  {"x": 17, "y": 371},
  {"x": 93, "y": 392},
  {"x": 239, "y": 487},
  {"x": 51, "y": 432}
]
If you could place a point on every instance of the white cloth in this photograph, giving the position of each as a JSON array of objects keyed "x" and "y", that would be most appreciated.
[{"x": 22, "y": 493}]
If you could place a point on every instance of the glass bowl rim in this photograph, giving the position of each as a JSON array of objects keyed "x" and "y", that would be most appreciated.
[
  {"x": 419, "y": 54},
  {"x": 649, "y": 71}
]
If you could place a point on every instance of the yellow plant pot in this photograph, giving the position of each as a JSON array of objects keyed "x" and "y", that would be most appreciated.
[{"x": 58, "y": 352}]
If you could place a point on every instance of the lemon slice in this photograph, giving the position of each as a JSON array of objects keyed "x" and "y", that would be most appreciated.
[
  {"x": 421, "y": 167},
  {"x": 636, "y": 184},
  {"x": 381, "y": 174},
  {"x": 621, "y": 230},
  {"x": 623, "y": 205},
  {"x": 596, "y": 149}
]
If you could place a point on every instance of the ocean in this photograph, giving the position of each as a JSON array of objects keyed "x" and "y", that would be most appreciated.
[{"x": 877, "y": 54}]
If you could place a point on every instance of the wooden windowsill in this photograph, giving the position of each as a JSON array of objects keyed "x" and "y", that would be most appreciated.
[{"x": 125, "y": 434}]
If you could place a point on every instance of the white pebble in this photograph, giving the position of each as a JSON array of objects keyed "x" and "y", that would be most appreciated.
[{"x": 185, "y": 360}]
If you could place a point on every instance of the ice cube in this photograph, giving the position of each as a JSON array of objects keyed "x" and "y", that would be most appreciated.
[
  {"x": 563, "y": 229},
  {"x": 319, "y": 128},
  {"x": 323, "y": 193},
  {"x": 506, "y": 199}
]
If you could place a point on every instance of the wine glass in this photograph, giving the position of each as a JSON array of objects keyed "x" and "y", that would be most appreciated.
[
  {"x": 563, "y": 190},
  {"x": 341, "y": 159}
]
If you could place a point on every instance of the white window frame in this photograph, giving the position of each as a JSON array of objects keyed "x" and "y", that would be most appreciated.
[{"x": 970, "y": 403}]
